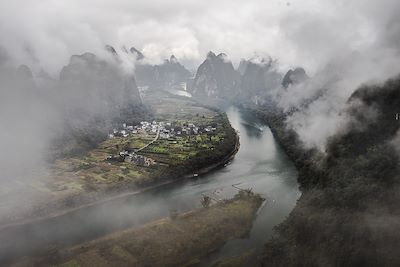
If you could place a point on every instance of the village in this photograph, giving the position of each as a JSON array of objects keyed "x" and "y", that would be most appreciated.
[{"x": 160, "y": 130}]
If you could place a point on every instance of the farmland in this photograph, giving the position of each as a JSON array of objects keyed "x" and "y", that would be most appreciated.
[
  {"x": 178, "y": 155},
  {"x": 76, "y": 180}
]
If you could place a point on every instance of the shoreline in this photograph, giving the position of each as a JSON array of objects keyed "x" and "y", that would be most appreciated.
[
  {"x": 240, "y": 209},
  {"x": 202, "y": 171}
]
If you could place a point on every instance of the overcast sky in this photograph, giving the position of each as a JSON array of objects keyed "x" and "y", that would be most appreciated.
[{"x": 44, "y": 33}]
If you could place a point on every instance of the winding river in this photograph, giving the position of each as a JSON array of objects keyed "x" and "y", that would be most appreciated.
[{"x": 260, "y": 164}]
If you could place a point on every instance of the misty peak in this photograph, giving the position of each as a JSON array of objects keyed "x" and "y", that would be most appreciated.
[
  {"x": 220, "y": 57},
  {"x": 259, "y": 60},
  {"x": 211, "y": 55},
  {"x": 216, "y": 77},
  {"x": 139, "y": 55},
  {"x": 258, "y": 78},
  {"x": 24, "y": 72},
  {"x": 111, "y": 49},
  {"x": 224, "y": 57},
  {"x": 299, "y": 71},
  {"x": 242, "y": 66},
  {"x": 169, "y": 73},
  {"x": 295, "y": 76},
  {"x": 123, "y": 48},
  {"x": 79, "y": 59},
  {"x": 173, "y": 59}
]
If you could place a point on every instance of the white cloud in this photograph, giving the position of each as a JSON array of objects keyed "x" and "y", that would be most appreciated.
[{"x": 307, "y": 32}]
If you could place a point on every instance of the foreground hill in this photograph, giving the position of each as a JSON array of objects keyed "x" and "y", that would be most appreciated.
[{"x": 348, "y": 213}]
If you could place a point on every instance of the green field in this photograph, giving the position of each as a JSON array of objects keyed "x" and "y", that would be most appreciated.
[
  {"x": 86, "y": 177},
  {"x": 174, "y": 156}
]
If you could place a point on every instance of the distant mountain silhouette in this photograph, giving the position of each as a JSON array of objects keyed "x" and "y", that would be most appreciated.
[
  {"x": 166, "y": 75},
  {"x": 295, "y": 76},
  {"x": 88, "y": 78},
  {"x": 258, "y": 77},
  {"x": 216, "y": 78},
  {"x": 139, "y": 55}
]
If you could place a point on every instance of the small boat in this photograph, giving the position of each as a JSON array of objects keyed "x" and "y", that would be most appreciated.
[{"x": 195, "y": 175}]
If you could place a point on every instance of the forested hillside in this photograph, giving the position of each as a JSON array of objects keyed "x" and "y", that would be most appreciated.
[{"x": 348, "y": 213}]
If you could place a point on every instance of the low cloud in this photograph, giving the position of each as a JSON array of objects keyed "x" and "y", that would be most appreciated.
[{"x": 43, "y": 34}]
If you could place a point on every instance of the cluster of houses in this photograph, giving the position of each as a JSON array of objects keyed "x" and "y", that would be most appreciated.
[
  {"x": 165, "y": 130},
  {"x": 131, "y": 157}
]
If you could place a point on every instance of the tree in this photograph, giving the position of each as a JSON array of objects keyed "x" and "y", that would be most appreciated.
[{"x": 206, "y": 201}]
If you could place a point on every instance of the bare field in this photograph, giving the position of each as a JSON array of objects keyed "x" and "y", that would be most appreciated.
[{"x": 182, "y": 241}]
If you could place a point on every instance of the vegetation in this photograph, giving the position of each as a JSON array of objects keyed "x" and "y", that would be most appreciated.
[
  {"x": 348, "y": 213},
  {"x": 85, "y": 175},
  {"x": 307, "y": 161},
  {"x": 175, "y": 156},
  {"x": 206, "y": 201},
  {"x": 183, "y": 241}
]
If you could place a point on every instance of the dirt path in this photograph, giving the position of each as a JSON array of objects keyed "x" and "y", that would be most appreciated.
[{"x": 152, "y": 141}]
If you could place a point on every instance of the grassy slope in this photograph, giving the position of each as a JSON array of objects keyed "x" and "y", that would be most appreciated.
[{"x": 179, "y": 242}]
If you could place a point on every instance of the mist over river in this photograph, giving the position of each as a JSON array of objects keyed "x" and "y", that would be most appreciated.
[{"x": 260, "y": 164}]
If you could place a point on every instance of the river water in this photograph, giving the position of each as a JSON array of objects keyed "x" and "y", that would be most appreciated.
[{"x": 260, "y": 164}]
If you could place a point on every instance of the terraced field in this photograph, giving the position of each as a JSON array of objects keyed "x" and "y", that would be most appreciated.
[
  {"x": 173, "y": 156},
  {"x": 78, "y": 180}
]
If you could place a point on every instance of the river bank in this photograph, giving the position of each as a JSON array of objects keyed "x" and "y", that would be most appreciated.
[
  {"x": 305, "y": 159},
  {"x": 259, "y": 164},
  {"x": 347, "y": 214},
  {"x": 124, "y": 179},
  {"x": 182, "y": 240},
  {"x": 62, "y": 207},
  {"x": 197, "y": 173}
]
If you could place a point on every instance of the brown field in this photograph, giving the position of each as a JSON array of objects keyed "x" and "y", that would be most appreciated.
[{"x": 182, "y": 241}]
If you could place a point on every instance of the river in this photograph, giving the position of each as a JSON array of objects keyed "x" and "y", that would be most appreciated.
[{"x": 260, "y": 164}]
